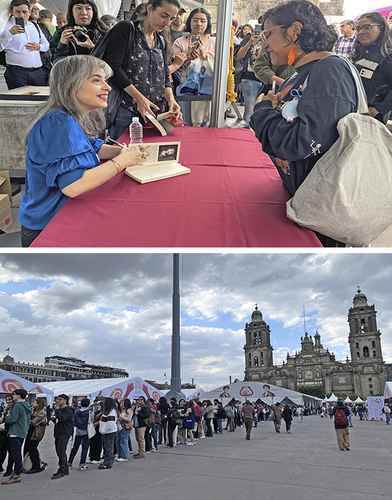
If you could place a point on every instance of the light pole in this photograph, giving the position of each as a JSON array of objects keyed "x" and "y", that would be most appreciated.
[{"x": 175, "y": 382}]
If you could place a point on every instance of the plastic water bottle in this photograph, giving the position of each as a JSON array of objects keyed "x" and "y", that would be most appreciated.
[{"x": 136, "y": 131}]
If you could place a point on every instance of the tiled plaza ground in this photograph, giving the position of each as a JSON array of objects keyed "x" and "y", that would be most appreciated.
[{"x": 304, "y": 465}]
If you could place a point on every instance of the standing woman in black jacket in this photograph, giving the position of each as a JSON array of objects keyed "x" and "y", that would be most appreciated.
[
  {"x": 136, "y": 53},
  {"x": 373, "y": 58},
  {"x": 299, "y": 125},
  {"x": 82, "y": 31}
]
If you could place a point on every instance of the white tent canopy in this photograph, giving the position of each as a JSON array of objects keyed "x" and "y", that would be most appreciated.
[
  {"x": 358, "y": 401},
  {"x": 118, "y": 388},
  {"x": 332, "y": 398},
  {"x": 197, "y": 393},
  {"x": 9, "y": 382},
  {"x": 348, "y": 400},
  {"x": 388, "y": 390},
  {"x": 253, "y": 391}
]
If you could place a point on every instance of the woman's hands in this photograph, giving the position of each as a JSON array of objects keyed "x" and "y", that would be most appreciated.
[
  {"x": 88, "y": 43},
  {"x": 129, "y": 157},
  {"x": 145, "y": 106},
  {"x": 67, "y": 36},
  {"x": 16, "y": 30}
]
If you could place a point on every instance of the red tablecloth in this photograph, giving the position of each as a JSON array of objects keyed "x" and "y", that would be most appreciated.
[{"x": 232, "y": 198}]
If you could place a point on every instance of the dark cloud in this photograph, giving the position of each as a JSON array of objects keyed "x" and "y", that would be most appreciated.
[{"x": 116, "y": 308}]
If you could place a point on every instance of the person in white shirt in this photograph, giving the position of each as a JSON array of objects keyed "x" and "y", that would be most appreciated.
[
  {"x": 108, "y": 431},
  {"x": 22, "y": 42}
]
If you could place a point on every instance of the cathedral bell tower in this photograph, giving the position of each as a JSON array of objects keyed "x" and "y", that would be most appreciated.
[
  {"x": 364, "y": 338},
  {"x": 258, "y": 349}
]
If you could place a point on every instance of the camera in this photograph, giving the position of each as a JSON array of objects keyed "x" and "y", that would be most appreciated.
[{"x": 80, "y": 33}]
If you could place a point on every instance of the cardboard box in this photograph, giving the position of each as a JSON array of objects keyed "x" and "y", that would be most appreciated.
[
  {"x": 5, "y": 183},
  {"x": 5, "y": 212}
]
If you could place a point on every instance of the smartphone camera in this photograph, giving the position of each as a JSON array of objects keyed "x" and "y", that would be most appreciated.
[
  {"x": 258, "y": 29},
  {"x": 19, "y": 21}
]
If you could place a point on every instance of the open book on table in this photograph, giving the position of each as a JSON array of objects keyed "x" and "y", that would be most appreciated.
[{"x": 160, "y": 161}]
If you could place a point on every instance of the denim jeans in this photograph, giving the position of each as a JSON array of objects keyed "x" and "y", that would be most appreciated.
[
  {"x": 122, "y": 443},
  {"x": 250, "y": 90},
  {"x": 15, "y": 462},
  {"x": 84, "y": 442}
]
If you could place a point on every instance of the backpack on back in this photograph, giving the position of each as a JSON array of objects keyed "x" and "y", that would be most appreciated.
[{"x": 340, "y": 418}]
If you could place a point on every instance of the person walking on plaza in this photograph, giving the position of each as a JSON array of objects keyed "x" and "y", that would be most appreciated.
[
  {"x": 142, "y": 415},
  {"x": 82, "y": 416},
  {"x": 346, "y": 43},
  {"x": 96, "y": 440},
  {"x": 35, "y": 435},
  {"x": 387, "y": 413},
  {"x": 300, "y": 413},
  {"x": 229, "y": 409},
  {"x": 4, "y": 450},
  {"x": 287, "y": 415},
  {"x": 124, "y": 427},
  {"x": 248, "y": 412},
  {"x": 341, "y": 414},
  {"x": 108, "y": 430},
  {"x": 277, "y": 416},
  {"x": 63, "y": 430},
  {"x": 18, "y": 422}
]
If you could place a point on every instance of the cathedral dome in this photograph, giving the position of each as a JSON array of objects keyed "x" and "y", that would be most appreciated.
[
  {"x": 256, "y": 314},
  {"x": 360, "y": 299}
]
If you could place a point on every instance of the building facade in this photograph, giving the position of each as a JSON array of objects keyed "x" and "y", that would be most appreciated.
[
  {"x": 314, "y": 368},
  {"x": 59, "y": 368}
]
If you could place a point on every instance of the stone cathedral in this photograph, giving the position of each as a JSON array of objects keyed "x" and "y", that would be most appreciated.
[{"x": 315, "y": 368}]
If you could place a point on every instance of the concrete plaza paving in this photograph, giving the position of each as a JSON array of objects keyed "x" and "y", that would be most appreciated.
[{"x": 303, "y": 465}]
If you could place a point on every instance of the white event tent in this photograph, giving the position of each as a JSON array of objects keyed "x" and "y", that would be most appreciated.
[
  {"x": 196, "y": 393},
  {"x": 388, "y": 390},
  {"x": 9, "y": 382},
  {"x": 359, "y": 401},
  {"x": 332, "y": 398},
  {"x": 268, "y": 393},
  {"x": 348, "y": 400},
  {"x": 117, "y": 388}
]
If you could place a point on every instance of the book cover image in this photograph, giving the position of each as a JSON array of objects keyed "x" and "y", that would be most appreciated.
[{"x": 154, "y": 153}]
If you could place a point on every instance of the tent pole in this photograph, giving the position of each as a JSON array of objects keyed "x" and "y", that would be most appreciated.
[{"x": 221, "y": 66}]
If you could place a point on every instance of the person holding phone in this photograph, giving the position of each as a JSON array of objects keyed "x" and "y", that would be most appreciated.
[
  {"x": 22, "y": 42},
  {"x": 245, "y": 56},
  {"x": 193, "y": 65}
]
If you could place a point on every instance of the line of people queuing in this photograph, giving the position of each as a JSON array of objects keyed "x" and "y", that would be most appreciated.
[{"x": 102, "y": 429}]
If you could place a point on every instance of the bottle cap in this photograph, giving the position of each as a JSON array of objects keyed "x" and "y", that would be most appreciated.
[{"x": 135, "y": 119}]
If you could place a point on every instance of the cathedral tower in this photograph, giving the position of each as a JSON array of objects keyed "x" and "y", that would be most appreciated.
[{"x": 258, "y": 349}]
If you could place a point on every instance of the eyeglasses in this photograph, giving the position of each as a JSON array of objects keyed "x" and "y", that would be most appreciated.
[
  {"x": 266, "y": 34},
  {"x": 366, "y": 27}
]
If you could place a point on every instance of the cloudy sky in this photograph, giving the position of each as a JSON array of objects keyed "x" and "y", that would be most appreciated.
[{"x": 115, "y": 309}]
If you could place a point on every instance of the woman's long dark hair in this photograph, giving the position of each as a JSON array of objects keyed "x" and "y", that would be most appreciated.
[
  {"x": 200, "y": 10},
  {"x": 95, "y": 22},
  {"x": 315, "y": 35},
  {"x": 385, "y": 39},
  {"x": 109, "y": 404}
]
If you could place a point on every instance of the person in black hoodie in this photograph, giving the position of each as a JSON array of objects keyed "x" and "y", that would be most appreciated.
[
  {"x": 82, "y": 32},
  {"x": 63, "y": 430},
  {"x": 81, "y": 435},
  {"x": 299, "y": 125},
  {"x": 373, "y": 58}
]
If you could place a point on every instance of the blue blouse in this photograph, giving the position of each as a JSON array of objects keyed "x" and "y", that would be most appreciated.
[{"x": 58, "y": 153}]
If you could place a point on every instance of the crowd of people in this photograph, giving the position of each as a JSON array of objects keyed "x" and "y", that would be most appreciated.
[{"x": 101, "y": 429}]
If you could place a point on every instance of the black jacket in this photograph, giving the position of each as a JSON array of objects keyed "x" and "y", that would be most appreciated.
[
  {"x": 330, "y": 94},
  {"x": 64, "y": 422},
  {"x": 376, "y": 74},
  {"x": 72, "y": 49}
]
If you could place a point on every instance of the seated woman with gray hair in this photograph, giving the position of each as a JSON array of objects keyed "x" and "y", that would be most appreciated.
[{"x": 64, "y": 157}]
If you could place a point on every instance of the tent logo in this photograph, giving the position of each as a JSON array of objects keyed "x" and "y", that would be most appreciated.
[{"x": 246, "y": 391}]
